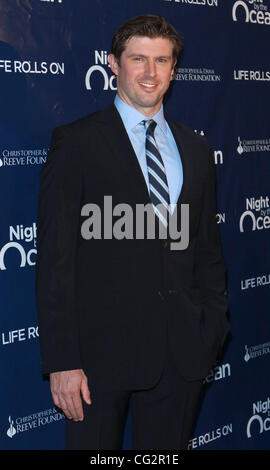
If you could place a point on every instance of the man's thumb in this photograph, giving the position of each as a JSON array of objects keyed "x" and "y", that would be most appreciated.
[{"x": 85, "y": 392}]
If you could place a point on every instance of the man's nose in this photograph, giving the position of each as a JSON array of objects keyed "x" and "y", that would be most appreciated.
[{"x": 151, "y": 68}]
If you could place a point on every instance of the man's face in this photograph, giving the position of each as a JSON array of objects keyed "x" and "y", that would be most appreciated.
[{"x": 144, "y": 73}]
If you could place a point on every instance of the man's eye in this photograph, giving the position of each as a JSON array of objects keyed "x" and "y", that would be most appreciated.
[{"x": 138, "y": 59}]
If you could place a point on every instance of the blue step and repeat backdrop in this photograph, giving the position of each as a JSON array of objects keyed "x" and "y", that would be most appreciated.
[{"x": 54, "y": 69}]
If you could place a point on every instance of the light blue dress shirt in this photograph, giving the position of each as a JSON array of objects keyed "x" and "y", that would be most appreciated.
[{"x": 168, "y": 149}]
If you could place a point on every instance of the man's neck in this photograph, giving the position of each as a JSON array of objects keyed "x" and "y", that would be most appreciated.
[{"x": 148, "y": 112}]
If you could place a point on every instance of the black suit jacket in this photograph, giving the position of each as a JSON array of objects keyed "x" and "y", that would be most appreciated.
[{"x": 104, "y": 305}]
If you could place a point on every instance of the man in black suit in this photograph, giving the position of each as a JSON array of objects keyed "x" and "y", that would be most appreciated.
[{"x": 128, "y": 320}]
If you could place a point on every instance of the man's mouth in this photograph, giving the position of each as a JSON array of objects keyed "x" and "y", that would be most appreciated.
[{"x": 148, "y": 85}]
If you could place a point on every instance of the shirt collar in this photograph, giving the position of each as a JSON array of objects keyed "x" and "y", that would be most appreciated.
[{"x": 131, "y": 117}]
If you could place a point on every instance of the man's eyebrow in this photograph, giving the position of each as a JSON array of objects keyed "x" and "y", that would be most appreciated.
[{"x": 145, "y": 57}]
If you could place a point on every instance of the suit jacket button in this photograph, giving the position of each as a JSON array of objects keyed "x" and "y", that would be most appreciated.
[{"x": 164, "y": 243}]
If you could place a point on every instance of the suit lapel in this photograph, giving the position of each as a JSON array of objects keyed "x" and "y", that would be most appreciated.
[{"x": 122, "y": 151}]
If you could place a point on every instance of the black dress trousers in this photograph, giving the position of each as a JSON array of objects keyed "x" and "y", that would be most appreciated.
[{"x": 162, "y": 416}]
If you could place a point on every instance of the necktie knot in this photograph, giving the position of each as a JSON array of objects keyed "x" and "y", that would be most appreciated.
[{"x": 150, "y": 126}]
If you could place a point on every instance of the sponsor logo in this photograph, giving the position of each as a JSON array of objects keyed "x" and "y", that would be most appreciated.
[
  {"x": 11, "y": 430},
  {"x": 202, "y": 75},
  {"x": 258, "y": 145},
  {"x": 19, "y": 238},
  {"x": 251, "y": 11},
  {"x": 27, "y": 423},
  {"x": 257, "y": 214},
  {"x": 210, "y": 436},
  {"x": 10, "y": 158},
  {"x": 209, "y": 3},
  {"x": 252, "y": 75},
  {"x": 33, "y": 67},
  {"x": 123, "y": 222},
  {"x": 258, "y": 281},
  {"x": 23, "y": 334},
  {"x": 259, "y": 422},
  {"x": 217, "y": 373},
  {"x": 101, "y": 66},
  {"x": 252, "y": 352}
]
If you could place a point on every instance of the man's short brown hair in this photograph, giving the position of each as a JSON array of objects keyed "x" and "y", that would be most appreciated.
[{"x": 151, "y": 26}]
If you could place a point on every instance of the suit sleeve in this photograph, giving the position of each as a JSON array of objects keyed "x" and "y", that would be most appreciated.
[
  {"x": 57, "y": 237},
  {"x": 211, "y": 269}
]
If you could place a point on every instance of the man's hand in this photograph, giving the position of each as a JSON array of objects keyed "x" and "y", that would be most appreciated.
[{"x": 67, "y": 387}]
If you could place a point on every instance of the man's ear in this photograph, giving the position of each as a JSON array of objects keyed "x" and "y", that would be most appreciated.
[{"x": 113, "y": 64}]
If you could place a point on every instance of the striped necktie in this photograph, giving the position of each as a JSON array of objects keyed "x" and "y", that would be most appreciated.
[{"x": 158, "y": 185}]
